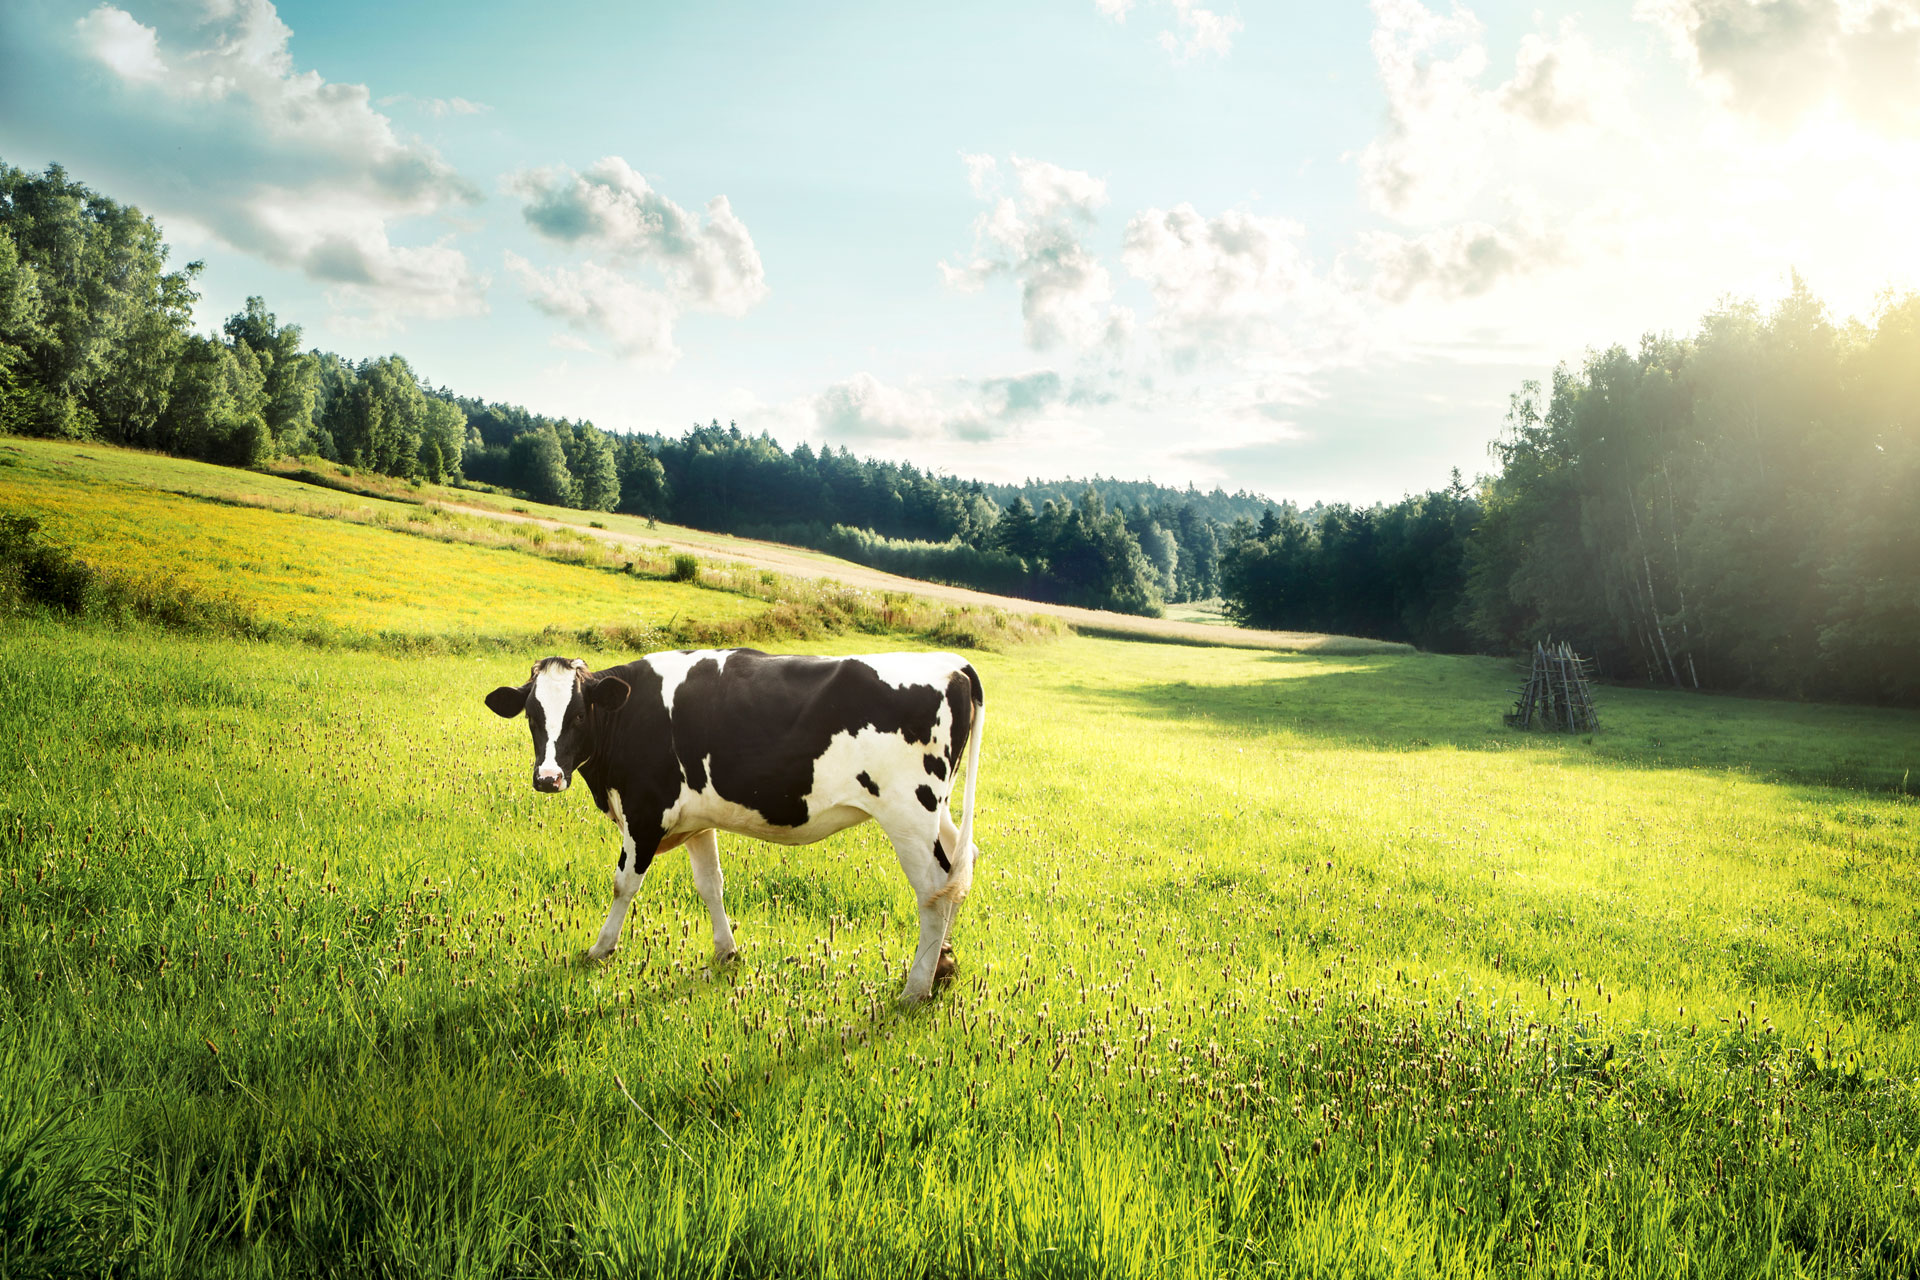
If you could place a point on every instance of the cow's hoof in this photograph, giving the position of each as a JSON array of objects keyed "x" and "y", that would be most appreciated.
[
  {"x": 944, "y": 971},
  {"x": 721, "y": 959},
  {"x": 596, "y": 953}
]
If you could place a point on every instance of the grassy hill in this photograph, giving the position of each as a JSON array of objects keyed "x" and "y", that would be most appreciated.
[
  {"x": 327, "y": 563},
  {"x": 1276, "y": 964}
]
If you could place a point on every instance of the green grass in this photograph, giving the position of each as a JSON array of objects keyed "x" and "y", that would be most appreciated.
[
  {"x": 1274, "y": 966},
  {"x": 157, "y": 518}
]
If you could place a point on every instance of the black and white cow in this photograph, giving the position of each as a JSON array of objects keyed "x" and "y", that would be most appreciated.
[{"x": 677, "y": 746}]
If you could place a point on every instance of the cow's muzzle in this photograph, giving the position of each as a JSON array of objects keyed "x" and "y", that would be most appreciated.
[{"x": 549, "y": 780}]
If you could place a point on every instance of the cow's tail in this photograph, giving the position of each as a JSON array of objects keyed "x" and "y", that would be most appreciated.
[{"x": 961, "y": 878}]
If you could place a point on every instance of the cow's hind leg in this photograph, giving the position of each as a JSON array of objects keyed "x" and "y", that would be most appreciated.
[
  {"x": 703, "y": 851},
  {"x": 914, "y": 843},
  {"x": 959, "y": 880}
]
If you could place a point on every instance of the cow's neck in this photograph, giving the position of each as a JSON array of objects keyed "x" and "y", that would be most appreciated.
[{"x": 594, "y": 768}]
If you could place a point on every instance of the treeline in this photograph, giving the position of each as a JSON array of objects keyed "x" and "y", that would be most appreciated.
[
  {"x": 1390, "y": 572},
  {"x": 893, "y": 515},
  {"x": 96, "y": 343},
  {"x": 1730, "y": 510}
]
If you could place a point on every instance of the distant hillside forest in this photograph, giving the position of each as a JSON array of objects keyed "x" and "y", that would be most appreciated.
[{"x": 1729, "y": 510}]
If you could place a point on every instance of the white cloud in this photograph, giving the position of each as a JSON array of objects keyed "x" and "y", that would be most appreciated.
[
  {"x": 1779, "y": 61},
  {"x": 636, "y": 320},
  {"x": 273, "y": 160},
  {"x": 611, "y": 210},
  {"x": 438, "y": 108},
  {"x": 1198, "y": 31},
  {"x": 1445, "y": 131},
  {"x": 1220, "y": 285},
  {"x": 862, "y": 408},
  {"x": 1461, "y": 261},
  {"x": 1195, "y": 30},
  {"x": 1556, "y": 84},
  {"x": 131, "y": 50},
  {"x": 1035, "y": 236}
]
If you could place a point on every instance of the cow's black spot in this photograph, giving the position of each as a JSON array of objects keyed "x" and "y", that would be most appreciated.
[
  {"x": 764, "y": 721},
  {"x": 940, "y": 856},
  {"x": 924, "y": 794},
  {"x": 960, "y": 687},
  {"x": 866, "y": 780},
  {"x": 632, "y": 753},
  {"x": 936, "y": 766}
]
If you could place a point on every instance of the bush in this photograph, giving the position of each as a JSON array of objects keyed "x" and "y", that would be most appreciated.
[{"x": 686, "y": 568}]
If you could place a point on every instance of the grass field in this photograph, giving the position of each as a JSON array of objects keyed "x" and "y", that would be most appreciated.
[
  {"x": 162, "y": 518},
  {"x": 1275, "y": 965}
]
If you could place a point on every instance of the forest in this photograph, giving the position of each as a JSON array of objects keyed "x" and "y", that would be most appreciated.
[{"x": 1728, "y": 510}]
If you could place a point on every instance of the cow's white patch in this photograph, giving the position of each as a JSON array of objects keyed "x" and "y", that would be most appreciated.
[
  {"x": 627, "y": 880},
  {"x": 673, "y": 668},
  {"x": 894, "y": 765},
  {"x": 553, "y": 689}
]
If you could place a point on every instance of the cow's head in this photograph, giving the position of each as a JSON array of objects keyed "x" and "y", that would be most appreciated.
[{"x": 557, "y": 699}]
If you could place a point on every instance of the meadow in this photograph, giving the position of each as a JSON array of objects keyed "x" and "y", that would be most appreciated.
[
  {"x": 273, "y": 556},
  {"x": 1275, "y": 965}
]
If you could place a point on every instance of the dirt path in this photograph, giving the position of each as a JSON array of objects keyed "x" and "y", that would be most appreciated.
[{"x": 812, "y": 564}]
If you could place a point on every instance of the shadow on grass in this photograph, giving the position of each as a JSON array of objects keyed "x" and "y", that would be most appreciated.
[{"x": 1425, "y": 701}]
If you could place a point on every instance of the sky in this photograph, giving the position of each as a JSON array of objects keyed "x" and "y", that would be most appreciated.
[{"x": 1306, "y": 249}]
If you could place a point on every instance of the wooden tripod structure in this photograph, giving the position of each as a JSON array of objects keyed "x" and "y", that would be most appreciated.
[{"x": 1557, "y": 694}]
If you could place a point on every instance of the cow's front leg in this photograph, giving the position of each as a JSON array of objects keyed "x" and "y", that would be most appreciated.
[
  {"x": 628, "y": 875},
  {"x": 703, "y": 851},
  {"x": 626, "y": 883}
]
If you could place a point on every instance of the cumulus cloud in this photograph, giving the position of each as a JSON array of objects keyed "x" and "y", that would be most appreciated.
[
  {"x": 438, "y": 108},
  {"x": 611, "y": 210},
  {"x": 1023, "y": 395},
  {"x": 1776, "y": 61},
  {"x": 1430, "y": 157},
  {"x": 1195, "y": 30},
  {"x": 864, "y": 409},
  {"x": 131, "y": 50},
  {"x": 1461, "y": 261},
  {"x": 1444, "y": 126},
  {"x": 635, "y": 320},
  {"x": 1034, "y": 235},
  {"x": 1556, "y": 84},
  {"x": 1219, "y": 284},
  {"x": 211, "y": 115},
  {"x": 664, "y": 259}
]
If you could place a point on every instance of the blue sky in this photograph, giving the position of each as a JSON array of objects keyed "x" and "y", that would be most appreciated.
[{"x": 1306, "y": 249}]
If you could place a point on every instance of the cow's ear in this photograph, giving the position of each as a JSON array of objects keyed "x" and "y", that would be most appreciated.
[
  {"x": 608, "y": 693},
  {"x": 507, "y": 701}
]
